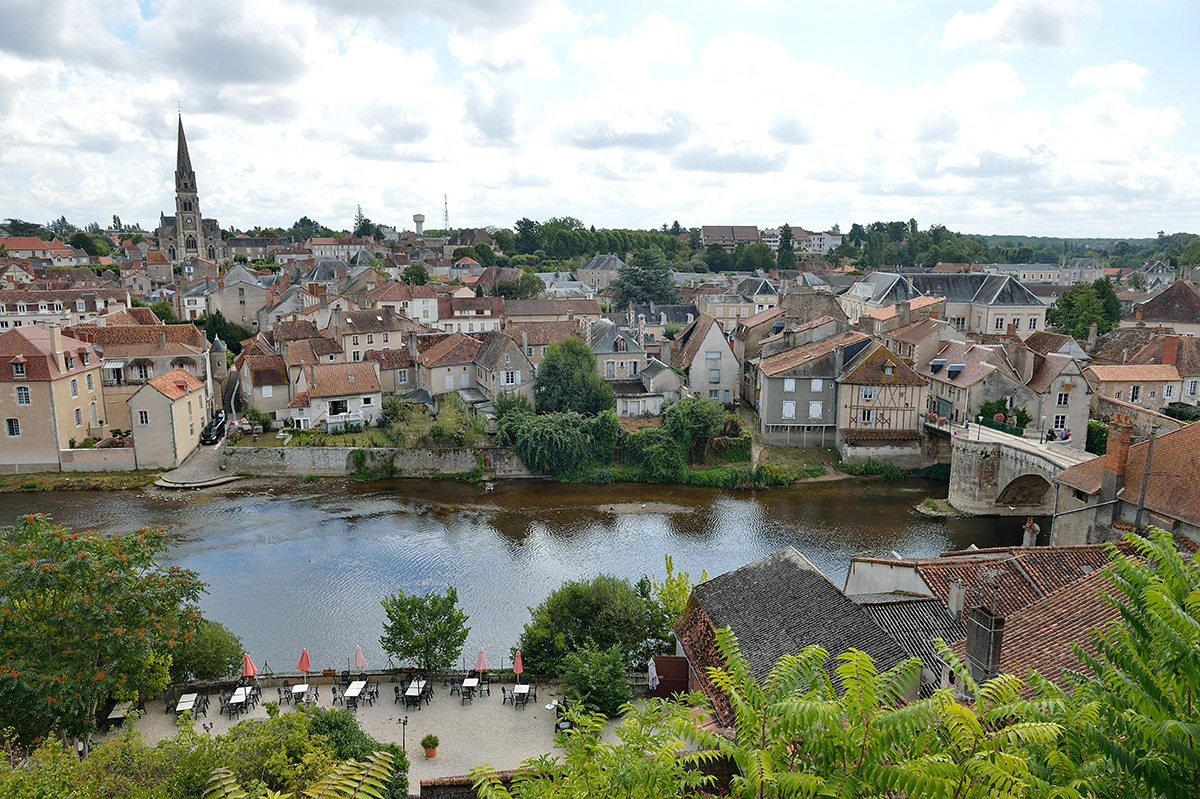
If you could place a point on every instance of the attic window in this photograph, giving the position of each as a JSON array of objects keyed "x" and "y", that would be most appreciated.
[
  {"x": 889, "y": 370},
  {"x": 350, "y": 378}
]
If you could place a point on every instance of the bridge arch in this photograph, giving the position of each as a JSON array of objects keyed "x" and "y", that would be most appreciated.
[{"x": 1026, "y": 491}]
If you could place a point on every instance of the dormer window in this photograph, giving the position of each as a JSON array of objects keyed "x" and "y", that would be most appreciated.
[
  {"x": 18, "y": 370},
  {"x": 70, "y": 363}
]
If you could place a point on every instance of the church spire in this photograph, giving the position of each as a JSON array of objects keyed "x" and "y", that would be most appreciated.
[{"x": 185, "y": 178}]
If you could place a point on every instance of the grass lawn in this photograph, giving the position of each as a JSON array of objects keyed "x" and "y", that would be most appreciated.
[
  {"x": 808, "y": 461},
  {"x": 78, "y": 481}
]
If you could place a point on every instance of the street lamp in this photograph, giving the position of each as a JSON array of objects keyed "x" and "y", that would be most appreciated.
[{"x": 403, "y": 730}]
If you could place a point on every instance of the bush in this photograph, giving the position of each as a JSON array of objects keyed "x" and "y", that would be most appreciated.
[
  {"x": 868, "y": 467},
  {"x": 1184, "y": 413},
  {"x": 554, "y": 444},
  {"x": 658, "y": 453},
  {"x": 894, "y": 473},
  {"x": 213, "y": 654},
  {"x": 340, "y": 729},
  {"x": 597, "y": 680},
  {"x": 430, "y": 741},
  {"x": 1097, "y": 437},
  {"x": 929, "y": 502}
]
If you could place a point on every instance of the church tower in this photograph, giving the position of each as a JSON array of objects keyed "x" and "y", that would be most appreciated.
[{"x": 187, "y": 204}]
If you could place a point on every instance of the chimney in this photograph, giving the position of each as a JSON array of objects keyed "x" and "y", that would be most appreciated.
[
  {"x": 1170, "y": 354},
  {"x": 162, "y": 339},
  {"x": 956, "y": 599},
  {"x": 904, "y": 311},
  {"x": 524, "y": 340},
  {"x": 1137, "y": 315},
  {"x": 56, "y": 346},
  {"x": 1093, "y": 333},
  {"x": 1116, "y": 457},
  {"x": 324, "y": 300},
  {"x": 1011, "y": 330},
  {"x": 985, "y": 635},
  {"x": 666, "y": 349}
]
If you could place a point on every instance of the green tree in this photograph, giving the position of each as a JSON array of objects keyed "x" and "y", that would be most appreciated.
[
  {"x": 92, "y": 245},
  {"x": 165, "y": 311},
  {"x": 526, "y": 287},
  {"x": 232, "y": 334},
  {"x": 603, "y": 612},
  {"x": 567, "y": 380},
  {"x": 645, "y": 279},
  {"x": 428, "y": 630},
  {"x": 597, "y": 679},
  {"x": 1108, "y": 301},
  {"x": 84, "y": 617},
  {"x": 416, "y": 275},
  {"x": 1136, "y": 280},
  {"x": 606, "y": 432},
  {"x": 1076, "y": 310},
  {"x": 694, "y": 421},
  {"x": 661, "y": 457},
  {"x": 464, "y": 252},
  {"x": 717, "y": 259},
  {"x": 485, "y": 254},
  {"x": 1147, "y": 667},
  {"x": 785, "y": 258},
  {"x": 674, "y": 591},
  {"x": 527, "y": 236},
  {"x": 212, "y": 653},
  {"x": 757, "y": 257},
  {"x": 554, "y": 444}
]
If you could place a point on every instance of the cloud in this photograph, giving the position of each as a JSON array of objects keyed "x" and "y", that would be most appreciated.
[
  {"x": 704, "y": 158},
  {"x": 790, "y": 130},
  {"x": 639, "y": 130},
  {"x": 656, "y": 40},
  {"x": 492, "y": 112},
  {"x": 1021, "y": 24},
  {"x": 1121, "y": 75}
]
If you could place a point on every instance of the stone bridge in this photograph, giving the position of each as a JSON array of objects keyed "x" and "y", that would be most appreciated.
[{"x": 998, "y": 474}]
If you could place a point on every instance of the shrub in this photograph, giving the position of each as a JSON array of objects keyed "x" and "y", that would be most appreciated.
[
  {"x": 659, "y": 454},
  {"x": 597, "y": 679},
  {"x": 430, "y": 741},
  {"x": 868, "y": 467},
  {"x": 929, "y": 502},
  {"x": 213, "y": 653},
  {"x": 894, "y": 472},
  {"x": 1184, "y": 413},
  {"x": 1097, "y": 437}
]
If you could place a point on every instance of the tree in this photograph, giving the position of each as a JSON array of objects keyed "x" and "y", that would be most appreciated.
[
  {"x": 232, "y": 334},
  {"x": 785, "y": 258},
  {"x": 213, "y": 653},
  {"x": 116, "y": 222},
  {"x": 645, "y": 279},
  {"x": 1137, "y": 280},
  {"x": 1108, "y": 301},
  {"x": 1076, "y": 310},
  {"x": 567, "y": 380},
  {"x": 21, "y": 228},
  {"x": 527, "y": 236},
  {"x": 485, "y": 254},
  {"x": 463, "y": 252},
  {"x": 597, "y": 679},
  {"x": 757, "y": 257},
  {"x": 554, "y": 444},
  {"x": 694, "y": 421},
  {"x": 526, "y": 287},
  {"x": 717, "y": 259},
  {"x": 426, "y": 630},
  {"x": 363, "y": 226},
  {"x": 1147, "y": 674},
  {"x": 83, "y": 617},
  {"x": 416, "y": 275},
  {"x": 92, "y": 245},
  {"x": 600, "y": 613}
]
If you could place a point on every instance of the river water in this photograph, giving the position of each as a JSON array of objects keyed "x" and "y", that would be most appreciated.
[{"x": 291, "y": 565}]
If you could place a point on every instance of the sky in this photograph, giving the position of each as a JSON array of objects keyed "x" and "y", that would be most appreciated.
[{"x": 1034, "y": 117}]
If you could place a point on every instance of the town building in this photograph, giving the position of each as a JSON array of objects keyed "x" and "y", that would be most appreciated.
[
  {"x": 187, "y": 234},
  {"x": 167, "y": 415},
  {"x": 881, "y": 408},
  {"x": 703, "y": 353},
  {"x": 334, "y": 395}
]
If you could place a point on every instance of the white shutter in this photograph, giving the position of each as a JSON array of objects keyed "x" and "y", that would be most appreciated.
[
  {"x": 268, "y": 391},
  {"x": 449, "y": 382},
  {"x": 814, "y": 409},
  {"x": 789, "y": 410},
  {"x": 518, "y": 378}
]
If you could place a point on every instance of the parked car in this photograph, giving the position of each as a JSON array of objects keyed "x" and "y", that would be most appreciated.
[{"x": 215, "y": 430}]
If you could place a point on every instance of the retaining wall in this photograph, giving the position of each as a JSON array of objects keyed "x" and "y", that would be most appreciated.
[
  {"x": 114, "y": 459},
  {"x": 498, "y": 462}
]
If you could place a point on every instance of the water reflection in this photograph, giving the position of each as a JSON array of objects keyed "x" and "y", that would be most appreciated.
[{"x": 306, "y": 565}]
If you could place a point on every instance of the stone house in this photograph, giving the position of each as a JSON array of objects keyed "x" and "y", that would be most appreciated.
[
  {"x": 552, "y": 310},
  {"x": 703, "y": 353},
  {"x": 167, "y": 415},
  {"x": 470, "y": 314},
  {"x": 419, "y": 303},
  {"x": 1176, "y": 308},
  {"x": 283, "y": 304},
  {"x": 361, "y": 332},
  {"x": 50, "y": 393},
  {"x": 881, "y": 408},
  {"x": 239, "y": 295},
  {"x": 535, "y": 337},
  {"x": 1147, "y": 385},
  {"x": 333, "y": 395},
  {"x": 649, "y": 320},
  {"x": 618, "y": 354},
  {"x": 397, "y": 370},
  {"x": 600, "y": 271},
  {"x": 1182, "y": 352},
  {"x": 746, "y": 343},
  {"x": 448, "y": 365},
  {"x": 919, "y": 342},
  {"x": 501, "y": 367},
  {"x": 62, "y": 307}
]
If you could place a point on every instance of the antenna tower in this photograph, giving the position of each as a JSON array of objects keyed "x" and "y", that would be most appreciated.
[{"x": 445, "y": 214}]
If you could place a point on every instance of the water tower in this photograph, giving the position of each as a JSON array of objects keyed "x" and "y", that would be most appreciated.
[{"x": 419, "y": 221}]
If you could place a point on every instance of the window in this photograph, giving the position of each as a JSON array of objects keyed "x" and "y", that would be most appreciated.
[
  {"x": 1063, "y": 399},
  {"x": 1033, "y": 323},
  {"x": 143, "y": 418},
  {"x": 74, "y": 387},
  {"x": 959, "y": 322},
  {"x": 22, "y": 395},
  {"x": 86, "y": 359},
  {"x": 715, "y": 394},
  {"x": 529, "y": 351},
  {"x": 633, "y": 367},
  {"x": 268, "y": 391},
  {"x": 511, "y": 378},
  {"x": 1153, "y": 393},
  {"x": 385, "y": 338},
  {"x": 14, "y": 427},
  {"x": 1168, "y": 392},
  {"x": 368, "y": 401},
  {"x": 93, "y": 412},
  {"x": 357, "y": 356},
  {"x": 610, "y": 369},
  {"x": 1135, "y": 394},
  {"x": 78, "y": 418},
  {"x": 714, "y": 375},
  {"x": 142, "y": 372},
  {"x": 402, "y": 376},
  {"x": 789, "y": 384},
  {"x": 712, "y": 356},
  {"x": 1116, "y": 395},
  {"x": 815, "y": 409},
  {"x": 789, "y": 409},
  {"x": 866, "y": 393},
  {"x": 999, "y": 322},
  {"x": 1193, "y": 387},
  {"x": 889, "y": 370},
  {"x": 866, "y": 415},
  {"x": 816, "y": 385},
  {"x": 370, "y": 338},
  {"x": 18, "y": 370},
  {"x": 1060, "y": 421},
  {"x": 354, "y": 340}
]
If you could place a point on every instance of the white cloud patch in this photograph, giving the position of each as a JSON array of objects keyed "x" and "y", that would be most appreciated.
[
  {"x": 1021, "y": 24},
  {"x": 1121, "y": 75},
  {"x": 491, "y": 111}
]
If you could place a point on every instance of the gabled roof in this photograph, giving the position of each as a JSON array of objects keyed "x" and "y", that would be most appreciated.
[
  {"x": 868, "y": 368},
  {"x": 691, "y": 339},
  {"x": 146, "y": 340},
  {"x": 610, "y": 262},
  {"x": 1086, "y": 476},
  {"x": 390, "y": 359},
  {"x": 887, "y": 312},
  {"x": 30, "y": 345},
  {"x": 493, "y": 347},
  {"x": 783, "y": 361},
  {"x": 176, "y": 384},
  {"x": 1122, "y": 343},
  {"x": 1174, "y": 474},
  {"x": 453, "y": 350},
  {"x": 677, "y": 313},
  {"x": 603, "y": 336},
  {"x": 978, "y": 362},
  {"x": 777, "y": 606},
  {"x": 914, "y": 621},
  {"x": 1178, "y": 303},
  {"x": 1187, "y": 353},
  {"x": 1127, "y": 373},
  {"x": 341, "y": 379},
  {"x": 266, "y": 370},
  {"x": 542, "y": 333},
  {"x": 917, "y": 331},
  {"x": 294, "y": 331},
  {"x": 975, "y": 287},
  {"x": 762, "y": 317}
]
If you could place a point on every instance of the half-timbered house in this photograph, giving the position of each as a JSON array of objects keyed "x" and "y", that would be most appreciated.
[{"x": 881, "y": 408}]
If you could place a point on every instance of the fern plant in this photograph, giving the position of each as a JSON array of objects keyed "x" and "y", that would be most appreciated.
[{"x": 350, "y": 780}]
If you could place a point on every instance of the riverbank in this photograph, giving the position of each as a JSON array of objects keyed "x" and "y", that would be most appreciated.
[{"x": 78, "y": 481}]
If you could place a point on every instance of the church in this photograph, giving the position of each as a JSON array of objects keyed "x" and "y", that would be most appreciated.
[{"x": 187, "y": 234}]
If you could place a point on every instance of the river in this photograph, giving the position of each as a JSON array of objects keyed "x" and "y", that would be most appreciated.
[{"x": 291, "y": 565}]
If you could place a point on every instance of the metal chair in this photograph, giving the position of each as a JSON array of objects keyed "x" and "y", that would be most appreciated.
[
  {"x": 399, "y": 696},
  {"x": 485, "y": 687},
  {"x": 352, "y": 703},
  {"x": 456, "y": 687},
  {"x": 507, "y": 694},
  {"x": 520, "y": 700},
  {"x": 412, "y": 701},
  {"x": 467, "y": 695},
  {"x": 287, "y": 691}
]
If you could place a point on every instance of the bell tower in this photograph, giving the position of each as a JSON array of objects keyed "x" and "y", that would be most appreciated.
[{"x": 187, "y": 203}]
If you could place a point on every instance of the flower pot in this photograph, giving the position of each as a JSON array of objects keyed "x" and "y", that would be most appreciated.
[{"x": 431, "y": 752}]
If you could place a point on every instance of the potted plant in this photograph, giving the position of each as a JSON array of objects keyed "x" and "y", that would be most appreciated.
[{"x": 430, "y": 743}]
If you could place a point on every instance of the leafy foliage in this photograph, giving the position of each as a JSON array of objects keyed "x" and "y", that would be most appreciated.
[
  {"x": 553, "y": 443},
  {"x": 567, "y": 380},
  {"x": 989, "y": 409},
  {"x": 426, "y": 630},
  {"x": 82, "y": 616},
  {"x": 600, "y": 613},
  {"x": 658, "y": 453},
  {"x": 1083, "y": 304},
  {"x": 694, "y": 422},
  {"x": 597, "y": 679},
  {"x": 672, "y": 593},
  {"x": 646, "y": 278},
  {"x": 212, "y": 653},
  {"x": 1097, "y": 437}
]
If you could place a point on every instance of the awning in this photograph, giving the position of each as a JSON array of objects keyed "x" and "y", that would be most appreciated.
[{"x": 112, "y": 363}]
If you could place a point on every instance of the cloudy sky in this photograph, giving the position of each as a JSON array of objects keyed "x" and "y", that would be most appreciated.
[{"x": 1042, "y": 117}]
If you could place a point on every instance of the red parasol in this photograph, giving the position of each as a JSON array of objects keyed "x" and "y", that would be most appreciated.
[
  {"x": 481, "y": 662},
  {"x": 360, "y": 662},
  {"x": 248, "y": 667},
  {"x": 303, "y": 665},
  {"x": 518, "y": 666}
]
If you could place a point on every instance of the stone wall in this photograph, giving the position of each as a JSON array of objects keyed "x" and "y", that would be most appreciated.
[
  {"x": 112, "y": 459},
  {"x": 498, "y": 462},
  {"x": 1104, "y": 408},
  {"x": 989, "y": 478}
]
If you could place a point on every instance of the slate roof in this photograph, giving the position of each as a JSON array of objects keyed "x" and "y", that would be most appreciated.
[
  {"x": 605, "y": 261},
  {"x": 1043, "y": 341},
  {"x": 917, "y": 331},
  {"x": 913, "y": 621},
  {"x": 379, "y": 320},
  {"x": 762, "y": 317},
  {"x": 783, "y": 361},
  {"x": 390, "y": 359},
  {"x": 777, "y": 606},
  {"x": 975, "y": 287},
  {"x": 30, "y": 345},
  {"x": 677, "y": 313},
  {"x": 1177, "y": 303},
  {"x": 176, "y": 384},
  {"x": 604, "y": 334},
  {"x": 493, "y": 346},
  {"x": 341, "y": 379}
]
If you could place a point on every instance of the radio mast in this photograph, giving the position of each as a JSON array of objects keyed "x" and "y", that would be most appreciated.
[{"x": 445, "y": 214}]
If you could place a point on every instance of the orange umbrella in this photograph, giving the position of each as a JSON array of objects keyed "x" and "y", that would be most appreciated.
[
  {"x": 518, "y": 666},
  {"x": 360, "y": 662},
  {"x": 303, "y": 664},
  {"x": 481, "y": 662},
  {"x": 248, "y": 667}
]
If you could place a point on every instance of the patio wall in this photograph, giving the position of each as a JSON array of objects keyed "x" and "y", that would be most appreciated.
[
  {"x": 499, "y": 462},
  {"x": 114, "y": 459}
]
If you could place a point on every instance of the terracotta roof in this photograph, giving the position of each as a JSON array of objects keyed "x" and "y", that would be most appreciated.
[
  {"x": 390, "y": 359},
  {"x": 1174, "y": 474},
  {"x": 883, "y": 314},
  {"x": 451, "y": 351},
  {"x": 1122, "y": 343},
  {"x": 557, "y": 307},
  {"x": 542, "y": 333},
  {"x": 1178, "y": 302},
  {"x": 917, "y": 331},
  {"x": 129, "y": 341},
  {"x": 30, "y": 345},
  {"x": 978, "y": 362},
  {"x": 690, "y": 339},
  {"x": 1047, "y": 370},
  {"x": 783, "y": 361},
  {"x": 174, "y": 385},
  {"x": 293, "y": 331},
  {"x": 1085, "y": 476},
  {"x": 1187, "y": 353},
  {"x": 1131, "y": 373},
  {"x": 299, "y": 401},
  {"x": 868, "y": 369},
  {"x": 1040, "y": 635},
  {"x": 341, "y": 379}
]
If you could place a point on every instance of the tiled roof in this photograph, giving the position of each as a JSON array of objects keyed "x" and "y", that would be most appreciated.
[
  {"x": 777, "y": 606},
  {"x": 1187, "y": 354},
  {"x": 380, "y": 320},
  {"x": 978, "y": 361},
  {"x": 299, "y": 401},
  {"x": 691, "y": 339},
  {"x": 914, "y": 621},
  {"x": 1039, "y": 636},
  {"x": 762, "y": 317},
  {"x": 146, "y": 340},
  {"x": 390, "y": 359},
  {"x": 30, "y": 345},
  {"x": 917, "y": 331},
  {"x": 542, "y": 333},
  {"x": 1174, "y": 474},
  {"x": 1044, "y": 342},
  {"x": 176, "y": 384},
  {"x": 493, "y": 346},
  {"x": 267, "y": 370},
  {"x": 867, "y": 367},
  {"x": 883, "y": 314},
  {"x": 1085, "y": 476},
  {"x": 293, "y": 331},
  {"x": 1122, "y": 343},
  {"x": 1178, "y": 302},
  {"x": 784, "y": 361},
  {"x": 341, "y": 379},
  {"x": 455, "y": 349},
  {"x": 1125, "y": 373},
  {"x": 1047, "y": 370},
  {"x": 551, "y": 307}
]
